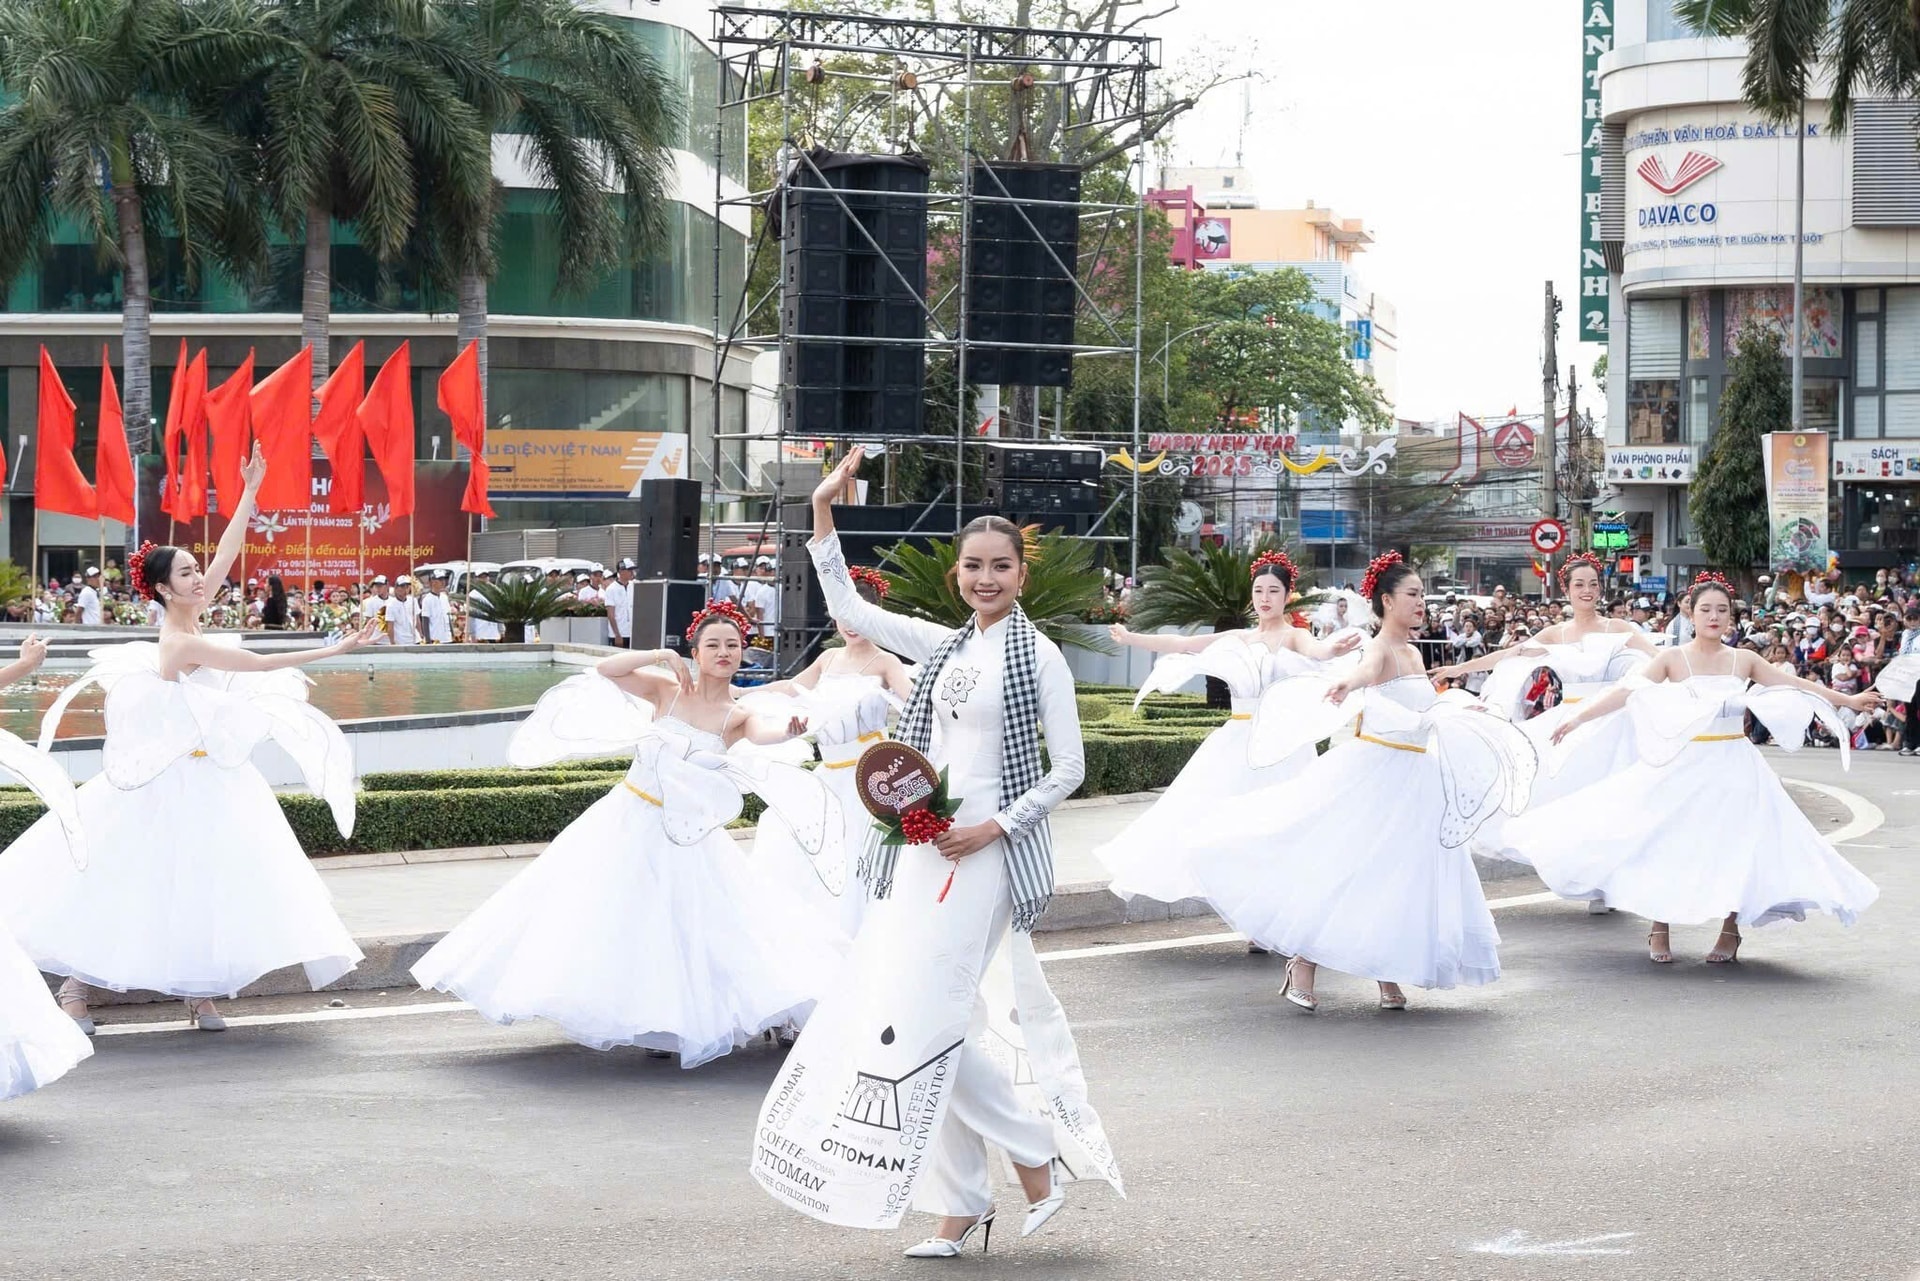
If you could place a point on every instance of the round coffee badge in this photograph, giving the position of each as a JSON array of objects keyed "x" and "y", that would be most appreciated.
[{"x": 894, "y": 778}]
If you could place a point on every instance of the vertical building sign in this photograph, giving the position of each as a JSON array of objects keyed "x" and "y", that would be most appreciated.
[{"x": 1596, "y": 41}]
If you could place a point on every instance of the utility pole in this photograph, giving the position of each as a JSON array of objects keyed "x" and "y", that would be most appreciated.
[
  {"x": 1578, "y": 505},
  {"x": 1549, "y": 396}
]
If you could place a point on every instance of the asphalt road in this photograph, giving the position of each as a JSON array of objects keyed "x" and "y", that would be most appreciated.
[{"x": 1589, "y": 1116}]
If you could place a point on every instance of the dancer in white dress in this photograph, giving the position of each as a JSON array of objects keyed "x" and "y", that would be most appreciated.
[
  {"x": 38, "y": 1044},
  {"x": 1149, "y": 858},
  {"x": 1587, "y": 656},
  {"x": 642, "y": 924},
  {"x": 943, "y": 1036},
  {"x": 1395, "y": 898},
  {"x": 846, "y": 695},
  {"x": 1711, "y": 835},
  {"x": 195, "y": 884}
]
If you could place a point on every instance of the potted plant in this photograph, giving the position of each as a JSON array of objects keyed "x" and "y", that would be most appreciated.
[{"x": 518, "y": 603}]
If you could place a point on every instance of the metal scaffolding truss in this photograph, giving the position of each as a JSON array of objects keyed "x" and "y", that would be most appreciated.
[{"x": 950, "y": 76}]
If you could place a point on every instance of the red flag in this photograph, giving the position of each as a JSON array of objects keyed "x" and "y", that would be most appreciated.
[
  {"x": 230, "y": 418},
  {"x": 459, "y": 398},
  {"x": 337, "y": 428},
  {"x": 58, "y": 485},
  {"x": 112, "y": 464},
  {"x": 386, "y": 416},
  {"x": 282, "y": 408},
  {"x": 170, "y": 438},
  {"x": 192, "y": 498}
]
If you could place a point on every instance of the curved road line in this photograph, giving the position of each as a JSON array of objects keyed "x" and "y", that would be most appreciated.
[{"x": 1863, "y": 816}]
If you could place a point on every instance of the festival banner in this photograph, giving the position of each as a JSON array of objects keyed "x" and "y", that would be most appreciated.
[
  {"x": 1797, "y": 467},
  {"x": 562, "y": 463},
  {"x": 301, "y": 546}
]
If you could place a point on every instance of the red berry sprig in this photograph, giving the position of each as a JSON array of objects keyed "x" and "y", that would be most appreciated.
[{"x": 922, "y": 826}]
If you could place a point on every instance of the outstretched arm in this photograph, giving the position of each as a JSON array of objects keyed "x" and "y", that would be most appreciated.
[
  {"x": 198, "y": 651},
  {"x": 1163, "y": 642},
  {"x": 1765, "y": 673},
  {"x": 1320, "y": 649},
  {"x": 1487, "y": 661},
  {"x": 627, "y": 671},
  {"x": 235, "y": 536},
  {"x": 1372, "y": 666}
]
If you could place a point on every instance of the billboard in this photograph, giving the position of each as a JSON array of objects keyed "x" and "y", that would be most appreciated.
[
  {"x": 1650, "y": 464},
  {"x": 584, "y": 463},
  {"x": 301, "y": 546},
  {"x": 1797, "y": 467},
  {"x": 1596, "y": 41}
]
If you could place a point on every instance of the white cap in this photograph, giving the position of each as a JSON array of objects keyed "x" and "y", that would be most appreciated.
[
  {"x": 580, "y": 578},
  {"x": 92, "y": 570},
  {"x": 403, "y": 581},
  {"x": 764, "y": 560},
  {"x": 1643, "y": 603}
]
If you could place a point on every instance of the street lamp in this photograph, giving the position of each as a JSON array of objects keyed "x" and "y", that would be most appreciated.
[{"x": 1166, "y": 366}]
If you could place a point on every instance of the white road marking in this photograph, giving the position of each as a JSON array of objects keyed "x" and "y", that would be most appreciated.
[
  {"x": 1517, "y": 1242},
  {"x": 306, "y": 1016},
  {"x": 1863, "y": 818}
]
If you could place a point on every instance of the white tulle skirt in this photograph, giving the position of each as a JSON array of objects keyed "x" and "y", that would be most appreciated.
[
  {"x": 194, "y": 886},
  {"x": 39, "y": 1044},
  {"x": 1710, "y": 833},
  {"x": 1342, "y": 866},
  {"x": 1151, "y": 858},
  {"x": 1595, "y": 753},
  {"x": 620, "y": 937}
]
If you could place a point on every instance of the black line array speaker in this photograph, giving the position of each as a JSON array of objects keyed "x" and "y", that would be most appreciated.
[
  {"x": 1020, "y": 273},
  {"x": 1016, "y": 461},
  {"x": 669, "y": 529},
  {"x": 662, "y": 608},
  {"x": 854, "y": 267}
]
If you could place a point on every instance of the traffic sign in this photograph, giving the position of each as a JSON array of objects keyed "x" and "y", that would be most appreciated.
[{"x": 1547, "y": 536}]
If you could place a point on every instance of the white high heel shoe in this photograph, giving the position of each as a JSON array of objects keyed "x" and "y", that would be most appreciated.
[
  {"x": 205, "y": 1020},
  {"x": 1038, "y": 1212},
  {"x": 942, "y": 1248}
]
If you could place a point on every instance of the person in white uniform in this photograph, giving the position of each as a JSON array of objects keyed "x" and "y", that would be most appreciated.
[
  {"x": 618, "y": 598},
  {"x": 436, "y": 611},
  {"x": 942, "y": 1025},
  {"x": 481, "y": 631},
  {"x": 90, "y": 598},
  {"x": 374, "y": 606},
  {"x": 402, "y": 613},
  {"x": 761, "y": 596}
]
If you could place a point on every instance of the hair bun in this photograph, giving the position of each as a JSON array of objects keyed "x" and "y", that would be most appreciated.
[
  {"x": 1278, "y": 559},
  {"x": 724, "y": 610},
  {"x": 870, "y": 577},
  {"x": 137, "y": 569},
  {"x": 1375, "y": 567}
]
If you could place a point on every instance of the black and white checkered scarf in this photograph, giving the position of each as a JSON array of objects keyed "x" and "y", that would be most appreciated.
[{"x": 1029, "y": 852}]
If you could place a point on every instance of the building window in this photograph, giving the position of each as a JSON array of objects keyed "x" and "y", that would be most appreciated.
[
  {"x": 1820, "y": 405},
  {"x": 1885, "y": 518},
  {"x": 1653, "y": 411},
  {"x": 1901, "y": 367},
  {"x": 1664, "y": 24},
  {"x": 1653, "y": 338},
  {"x": 1901, "y": 417},
  {"x": 1866, "y": 417},
  {"x": 1866, "y": 353},
  {"x": 1699, "y": 411},
  {"x": 586, "y": 400}
]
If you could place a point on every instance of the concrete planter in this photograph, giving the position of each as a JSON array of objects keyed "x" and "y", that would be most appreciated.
[{"x": 575, "y": 631}]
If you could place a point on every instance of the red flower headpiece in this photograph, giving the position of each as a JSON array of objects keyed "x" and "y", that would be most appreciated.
[
  {"x": 1711, "y": 578},
  {"x": 871, "y": 577},
  {"x": 1279, "y": 558},
  {"x": 137, "y": 567},
  {"x": 1578, "y": 559},
  {"x": 722, "y": 609},
  {"x": 1375, "y": 567}
]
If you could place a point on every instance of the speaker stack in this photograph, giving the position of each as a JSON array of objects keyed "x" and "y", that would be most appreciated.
[
  {"x": 662, "y": 610},
  {"x": 1054, "y": 486},
  {"x": 669, "y": 529},
  {"x": 1020, "y": 288},
  {"x": 844, "y": 297}
]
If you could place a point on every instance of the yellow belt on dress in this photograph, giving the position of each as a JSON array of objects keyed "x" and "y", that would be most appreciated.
[
  {"x": 1359, "y": 732},
  {"x": 1716, "y": 738},
  {"x": 871, "y": 736},
  {"x": 649, "y": 799},
  {"x": 197, "y": 752},
  {"x": 1241, "y": 716}
]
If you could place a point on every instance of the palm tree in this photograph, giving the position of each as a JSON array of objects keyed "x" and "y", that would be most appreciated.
[
  {"x": 594, "y": 116},
  {"x": 99, "y": 128},
  {"x": 1062, "y": 585},
  {"x": 350, "y": 104},
  {"x": 1870, "y": 46}
]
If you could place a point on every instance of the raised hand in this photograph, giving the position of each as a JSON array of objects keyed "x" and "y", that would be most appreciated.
[
  {"x": 33, "y": 651},
  {"x": 254, "y": 470},
  {"x": 354, "y": 640},
  {"x": 835, "y": 483},
  {"x": 1118, "y": 634}
]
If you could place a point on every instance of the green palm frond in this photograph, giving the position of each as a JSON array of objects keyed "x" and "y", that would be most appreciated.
[
  {"x": 1062, "y": 585},
  {"x": 1209, "y": 588}
]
